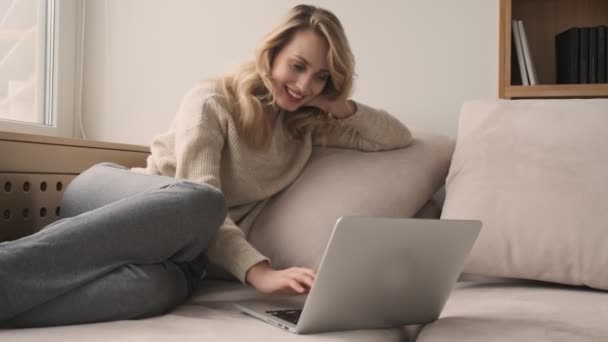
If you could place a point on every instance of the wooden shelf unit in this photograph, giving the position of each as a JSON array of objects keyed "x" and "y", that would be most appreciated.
[{"x": 543, "y": 19}]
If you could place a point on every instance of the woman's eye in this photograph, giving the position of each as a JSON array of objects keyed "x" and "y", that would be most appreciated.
[
  {"x": 298, "y": 67},
  {"x": 323, "y": 77}
]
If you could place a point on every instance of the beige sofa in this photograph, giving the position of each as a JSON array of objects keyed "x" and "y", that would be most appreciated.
[{"x": 487, "y": 304}]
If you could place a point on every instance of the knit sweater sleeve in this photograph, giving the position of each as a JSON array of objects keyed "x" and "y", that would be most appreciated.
[
  {"x": 200, "y": 134},
  {"x": 369, "y": 130}
]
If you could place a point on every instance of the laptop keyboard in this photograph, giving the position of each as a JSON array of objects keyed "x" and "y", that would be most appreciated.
[{"x": 291, "y": 316}]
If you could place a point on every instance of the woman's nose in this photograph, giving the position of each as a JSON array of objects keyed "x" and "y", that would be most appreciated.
[{"x": 303, "y": 85}]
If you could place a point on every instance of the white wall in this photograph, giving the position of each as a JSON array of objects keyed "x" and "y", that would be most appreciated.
[{"x": 418, "y": 59}]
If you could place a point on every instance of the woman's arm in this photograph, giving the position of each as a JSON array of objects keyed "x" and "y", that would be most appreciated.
[
  {"x": 200, "y": 132},
  {"x": 365, "y": 128}
]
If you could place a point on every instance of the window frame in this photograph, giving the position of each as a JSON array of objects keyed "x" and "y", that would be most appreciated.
[{"x": 66, "y": 58}]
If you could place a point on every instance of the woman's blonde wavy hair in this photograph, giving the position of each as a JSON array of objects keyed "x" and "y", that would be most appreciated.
[{"x": 249, "y": 91}]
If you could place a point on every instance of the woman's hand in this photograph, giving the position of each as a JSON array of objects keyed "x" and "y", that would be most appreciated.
[
  {"x": 294, "y": 280},
  {"x": 339, "y": 108}
]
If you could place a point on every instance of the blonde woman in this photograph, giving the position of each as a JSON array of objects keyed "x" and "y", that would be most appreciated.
[{"x": 135, "y": 243}]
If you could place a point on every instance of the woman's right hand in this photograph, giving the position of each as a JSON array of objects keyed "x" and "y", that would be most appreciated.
[{"x": 294, "y": 280}]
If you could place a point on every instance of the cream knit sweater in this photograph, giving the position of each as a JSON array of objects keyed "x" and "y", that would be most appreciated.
[{"x": 202, "y": 145}]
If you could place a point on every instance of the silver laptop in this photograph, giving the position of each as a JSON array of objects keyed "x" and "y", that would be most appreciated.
[{"x": 376, "y": 273}]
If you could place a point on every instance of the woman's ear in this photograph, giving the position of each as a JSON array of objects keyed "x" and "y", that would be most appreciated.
[{"x": 329, "y": 90}]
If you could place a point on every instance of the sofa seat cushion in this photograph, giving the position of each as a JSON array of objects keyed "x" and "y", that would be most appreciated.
[
  {"x": 520, "y": 310},
  {"x": 207, "y": 316}
]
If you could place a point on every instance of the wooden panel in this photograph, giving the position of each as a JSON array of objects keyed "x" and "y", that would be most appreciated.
[
  {"x": 35, "y": 170},
  {"x": 504, "y": 50},
  {"x": 29, "y": 202},
  {"x": 557, "y": 90},
  {"x": 41, "y": 154},
  {"x": 43, "y": 139},
  {"x": 44, "y": 158}
]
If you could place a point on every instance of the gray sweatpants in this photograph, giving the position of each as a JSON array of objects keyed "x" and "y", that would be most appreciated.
[{"x": 128, "y": 246}]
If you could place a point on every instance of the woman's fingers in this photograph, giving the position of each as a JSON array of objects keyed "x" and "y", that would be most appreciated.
[
  {"x": 304, "y": 275},
  {"x": 310, "y": 272},
  {"x": 295, "y": 280},
  {"x": 296, "y": 286},
  {"x": 304, "y": 270},
  {"x": 306, "y": 279}
]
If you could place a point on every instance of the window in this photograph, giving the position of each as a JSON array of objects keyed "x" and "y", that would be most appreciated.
[{"x": 37, "y": 55}]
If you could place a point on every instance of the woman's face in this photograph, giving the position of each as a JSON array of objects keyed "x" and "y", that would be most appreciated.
[{"x": 299, "y": 71}]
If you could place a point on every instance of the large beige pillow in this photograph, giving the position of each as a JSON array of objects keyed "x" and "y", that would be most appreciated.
[
  {"x": 295, "y": 226},
  {"x": 536, "y": 173}
]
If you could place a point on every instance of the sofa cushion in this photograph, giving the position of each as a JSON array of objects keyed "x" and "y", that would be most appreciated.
[
  {"x": 208, "y": 316},
  {"x": 534, "y": 172},
  {"x": 295, "y": 226},
  {"x": 503, "y": 310}
]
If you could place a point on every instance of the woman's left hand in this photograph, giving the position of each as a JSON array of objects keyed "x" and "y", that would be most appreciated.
[{"x": 339, "y": 108}]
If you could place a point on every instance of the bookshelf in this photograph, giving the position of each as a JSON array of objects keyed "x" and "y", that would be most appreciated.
[{"x": 544, "y": 19}]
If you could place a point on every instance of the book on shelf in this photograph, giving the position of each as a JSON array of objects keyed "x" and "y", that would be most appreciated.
[
  {"x": 583, "y": 55},
  {"x": 530, "y": 69},
  {"x": 593, "y": 74},
  {"x": 602, "y": 54},
  {"x": 520, "y": 53},
  {"x": 567, "y": 55}
]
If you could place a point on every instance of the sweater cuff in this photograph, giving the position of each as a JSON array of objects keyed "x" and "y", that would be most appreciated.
[
  {"x": 234, "y": 254},
  {"x": 358, "y": 117}
]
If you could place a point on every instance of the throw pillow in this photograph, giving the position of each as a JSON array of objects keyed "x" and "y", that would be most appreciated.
[
  {"x": 295, "y": 226},
  {"x": 534, "y": 172}
]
